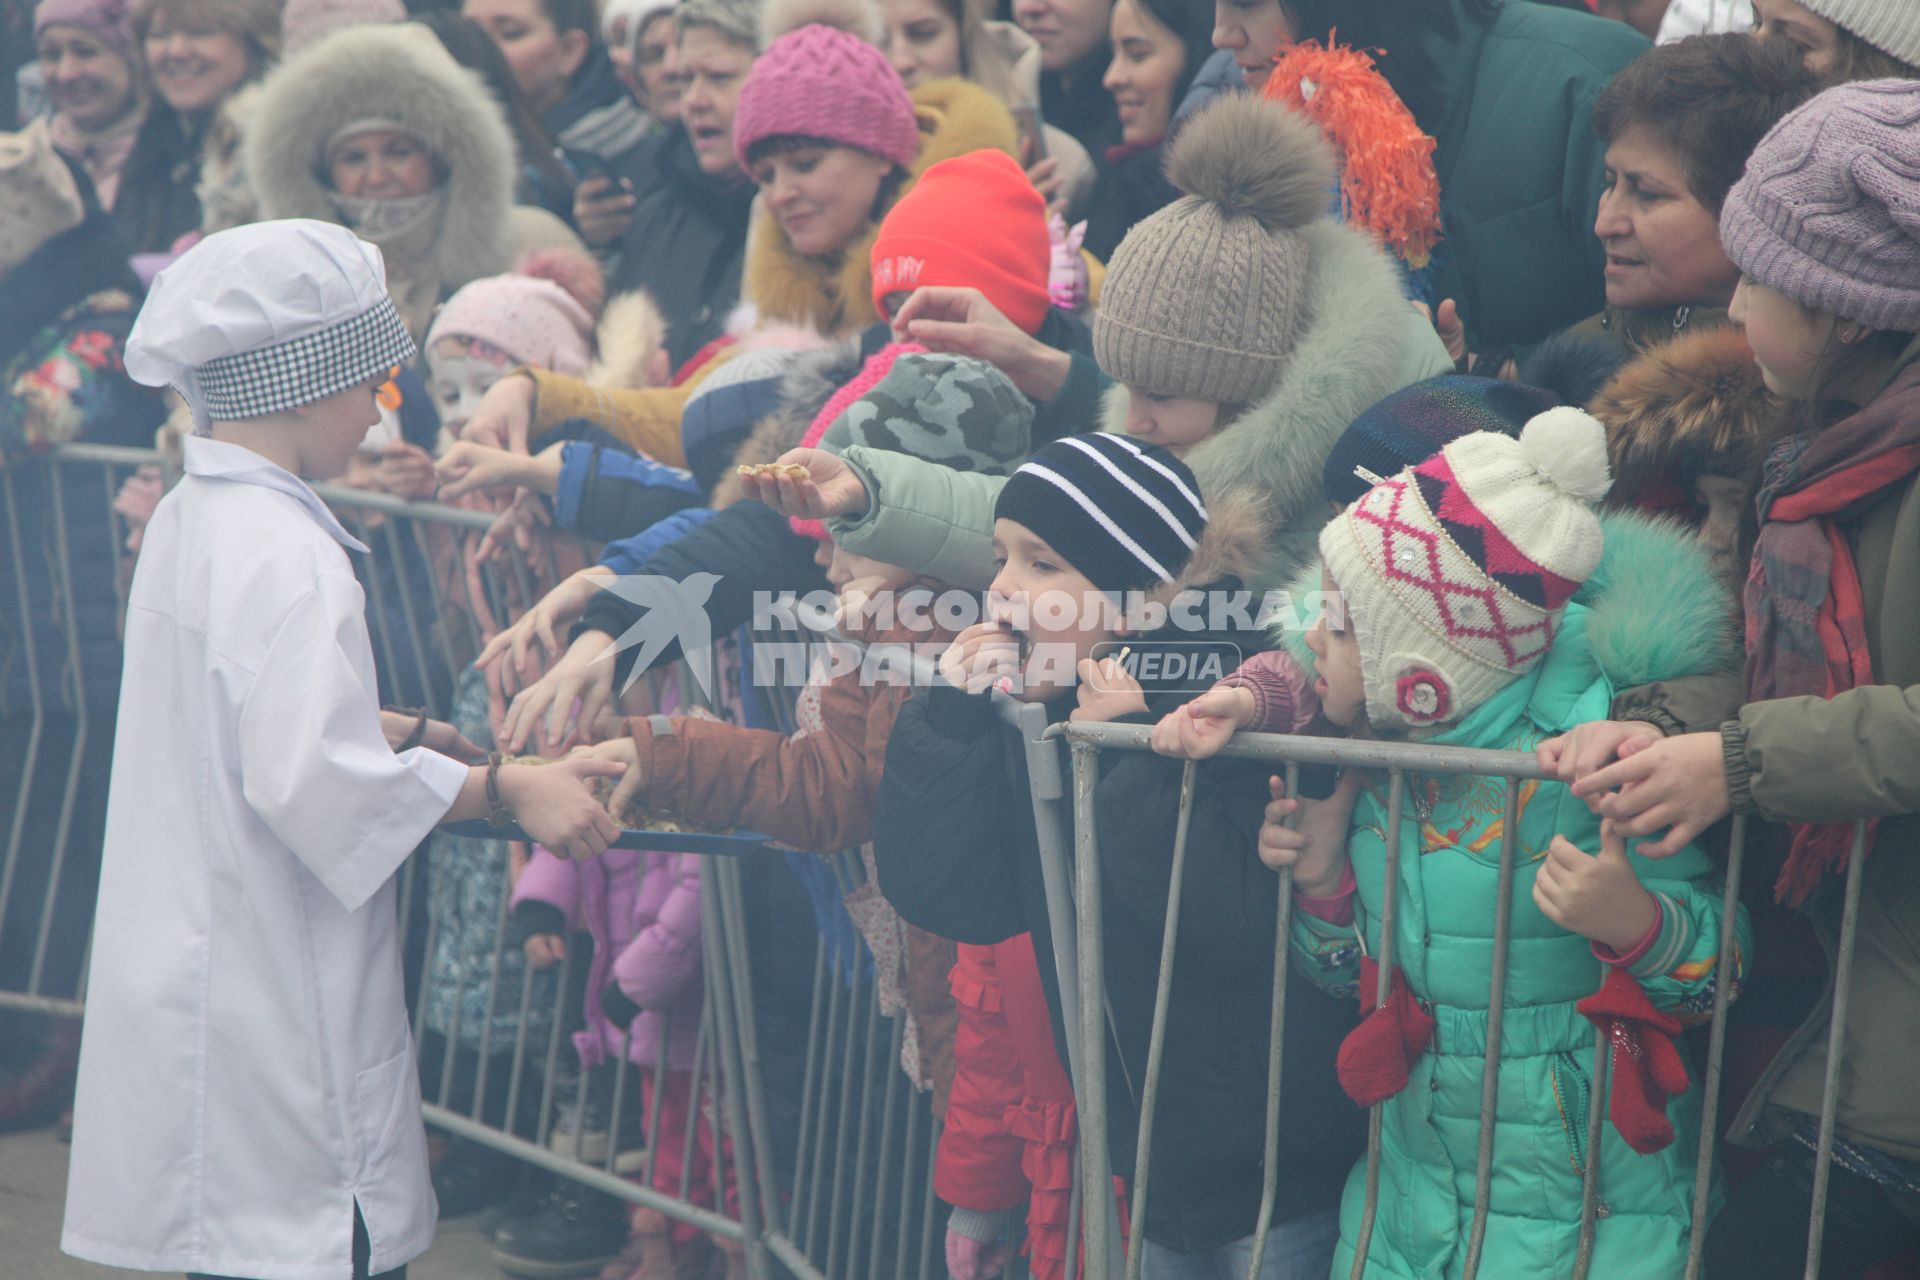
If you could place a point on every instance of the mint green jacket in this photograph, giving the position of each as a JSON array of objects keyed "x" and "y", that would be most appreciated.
[{"x": 1450, "y": 841}]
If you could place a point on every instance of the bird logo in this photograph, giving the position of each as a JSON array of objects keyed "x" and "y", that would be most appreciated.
[{"x": 673, "y": 612}]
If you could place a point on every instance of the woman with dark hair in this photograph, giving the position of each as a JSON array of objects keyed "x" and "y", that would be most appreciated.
[
  {"x": 1518, "y": 189},
  {"x": 1678, "y": 125},
  {"x": 1158, "y": 46},
  {"x": 544, "y": 182},
  {"x": 565, "y": 73},
  {"x": 1074, "y": 52}
]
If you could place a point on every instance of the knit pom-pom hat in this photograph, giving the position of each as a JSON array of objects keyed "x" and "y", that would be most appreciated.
[
  {"x": 823, "y": 76},
  {"x": 1206, "y": 298},
  {"x": 538, "y": 315},
  {"x": 1454, "y": 573}
]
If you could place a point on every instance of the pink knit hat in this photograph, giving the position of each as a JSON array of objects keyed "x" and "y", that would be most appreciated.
[
  {"x": 109, "y": 21},
  {"x": 819, "y": 81},
  {"x": 1828, "y": 212},
  {"x": 533, "y": 320}
]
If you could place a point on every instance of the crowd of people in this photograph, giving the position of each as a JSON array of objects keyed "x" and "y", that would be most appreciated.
[{"x": 1523, "y": 374}]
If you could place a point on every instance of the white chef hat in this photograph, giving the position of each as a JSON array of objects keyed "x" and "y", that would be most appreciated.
[{"x": 267, "y": 317}]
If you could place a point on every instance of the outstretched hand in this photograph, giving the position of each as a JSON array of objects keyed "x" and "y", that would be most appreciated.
[{"x": 830, "y": 487}]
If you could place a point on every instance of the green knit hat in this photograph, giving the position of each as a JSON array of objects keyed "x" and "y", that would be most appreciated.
[{"x": 1206, "y": 298}]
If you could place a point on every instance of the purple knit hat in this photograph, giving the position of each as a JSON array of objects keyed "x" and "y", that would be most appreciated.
[
  {"x": 822, "y": 82},
  {"x": 108, "y": 21},
  {"x": 1828, "y": 212}
]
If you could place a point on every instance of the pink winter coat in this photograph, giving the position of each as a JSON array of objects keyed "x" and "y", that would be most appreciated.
[{"x": 643, "y": 910}]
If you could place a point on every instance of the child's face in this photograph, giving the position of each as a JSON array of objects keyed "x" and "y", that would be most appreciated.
[
  {"x": 843, "y": 567},
  {"x": 1050, "y": 606},
  {"x": 1788, "y": 340},
  {"x": 462, "y": 371},
  {"x": 1175, "y": 423},
  {"x": 331, "y": 430},
  {"x": 1336, "y": 661}
]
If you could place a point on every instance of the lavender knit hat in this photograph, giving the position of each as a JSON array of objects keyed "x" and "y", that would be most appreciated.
[
  {"x": 1828, "y": 212},
  {"x": 824, "y": 76}
]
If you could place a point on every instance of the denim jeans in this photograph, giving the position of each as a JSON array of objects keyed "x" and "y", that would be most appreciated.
[{"x": 1297, "y": 1250}]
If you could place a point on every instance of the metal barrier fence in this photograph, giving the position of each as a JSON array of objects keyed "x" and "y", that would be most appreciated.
[
  {"x": 1398, "y": 761},
  {"x": 820, "y": 1169},
  {"x": 831, "y": 1179}
]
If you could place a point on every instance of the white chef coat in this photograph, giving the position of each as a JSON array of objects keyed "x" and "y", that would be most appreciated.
[{"x": 246, "y": 1073}]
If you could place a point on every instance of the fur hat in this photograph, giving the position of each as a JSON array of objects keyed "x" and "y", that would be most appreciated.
[
  {"x": 737, "y": 20},
  {"x": 1455, "y": 573},
  {"x": 400, "y": 73},
  {"x": 822, "y": 75},
  {"x": 1690, "y": 407},
  {"x": 1204, "y": 298}
]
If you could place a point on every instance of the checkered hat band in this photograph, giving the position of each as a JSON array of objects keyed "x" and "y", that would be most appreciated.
[
  {"x": 1453, "y": 597},
  {"x": 311, "y": 367}
]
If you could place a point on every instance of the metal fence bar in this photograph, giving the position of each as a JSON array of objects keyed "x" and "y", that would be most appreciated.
[
  {"x": 1092, "y": 1080},
  {"x": 1496, "y": 1011},
  {"x": 733, "y": 935},
  {"x": 732, "y": 1067},
  {"x": 24, "y": 795},
  {"x": 907, "y": 1166},
  {"x": 1162, "y": 998},
  {"x": 76, "y": 682},
  {"x": 1282, "y": 953},
  {"x": 550, "y": 1079},
  {"x": 1389, "y": 908},
  {"x": 493, "y": 994},
  {"x": 660, "y": 1065},
  {"x": 894, "y": 1077},
  {"x": 809, "y": 1072},
  {"x": 1716, "y": 1047},
  {"x": 1836, "y": 1039}
]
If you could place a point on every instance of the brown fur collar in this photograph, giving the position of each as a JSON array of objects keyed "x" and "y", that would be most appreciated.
[
  {"x": 1231, "y": 547},
  {"x": 1690, "y": 407},
  {"x": 835, "y": 295}
]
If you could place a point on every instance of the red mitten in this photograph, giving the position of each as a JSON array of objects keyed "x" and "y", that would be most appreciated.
[
  {"x": 1378, "y": 1055},
  {"x": 1646, "y": 1064}
]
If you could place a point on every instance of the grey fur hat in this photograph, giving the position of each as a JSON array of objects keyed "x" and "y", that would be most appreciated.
[{"x": 737, "y": 20}]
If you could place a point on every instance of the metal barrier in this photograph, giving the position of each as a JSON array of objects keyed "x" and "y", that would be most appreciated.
[
  {"x": 1398, "y": 761},
  {"x": 832, "y": 1179}
]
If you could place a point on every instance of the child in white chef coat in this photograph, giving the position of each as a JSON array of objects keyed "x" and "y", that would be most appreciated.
[{"x": 247, "y": 1103}]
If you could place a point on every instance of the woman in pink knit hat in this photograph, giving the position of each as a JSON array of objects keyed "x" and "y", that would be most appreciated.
[
  {"x": 96, "y": 83},
  {"x": 833, "y": 138}
]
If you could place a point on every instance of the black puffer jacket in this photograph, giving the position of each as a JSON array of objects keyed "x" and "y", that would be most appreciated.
[
  {"x": 957, "y": 853},
  {"x": 687, "y": 240}
]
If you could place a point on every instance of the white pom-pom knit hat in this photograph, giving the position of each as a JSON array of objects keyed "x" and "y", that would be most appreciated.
[{"x": 1455, "y": 573}]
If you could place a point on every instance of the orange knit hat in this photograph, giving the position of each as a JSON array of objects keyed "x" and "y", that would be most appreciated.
[{"x": 974, "y": 220}]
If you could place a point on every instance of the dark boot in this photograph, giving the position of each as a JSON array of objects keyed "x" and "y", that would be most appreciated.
[
  {"x": 575, "y": 1233},
  {"x": 35, "y": 1092},
  {"x": 471, "y": 1177}
]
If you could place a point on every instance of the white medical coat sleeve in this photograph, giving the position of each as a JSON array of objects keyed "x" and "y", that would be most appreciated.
[{"x": 314, "y": 763}]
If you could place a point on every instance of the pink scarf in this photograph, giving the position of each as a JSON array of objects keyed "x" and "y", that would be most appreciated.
[{"x": 102, "y": 153}]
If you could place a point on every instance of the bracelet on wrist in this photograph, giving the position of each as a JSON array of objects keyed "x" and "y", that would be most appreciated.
[{"x": 498, "y": 813}]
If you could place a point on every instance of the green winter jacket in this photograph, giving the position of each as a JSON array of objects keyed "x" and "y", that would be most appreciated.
[
  {"x": 1449, "y": 864},
  {"x": 1521, "y": 169},
  {"x": 1363, "y": 343},
  {"x": 1818, "y": 760}
]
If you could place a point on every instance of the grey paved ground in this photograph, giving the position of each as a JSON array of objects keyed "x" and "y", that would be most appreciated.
[{"x": 33, "y": 1181}]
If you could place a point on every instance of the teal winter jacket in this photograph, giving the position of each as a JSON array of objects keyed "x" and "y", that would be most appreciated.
[{"x": 1652, "y": 610}]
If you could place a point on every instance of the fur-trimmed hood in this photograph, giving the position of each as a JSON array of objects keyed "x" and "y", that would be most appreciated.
[
  {"x": 1358, "y": 346},
  {"x": 399, "y": 73},
  {"x": 1687, "y": 408},
  {"x": 804, "y": 392},
  {"x": 835, "y": 296}
]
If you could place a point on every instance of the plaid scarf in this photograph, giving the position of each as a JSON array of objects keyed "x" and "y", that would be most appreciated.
[{"x": 1805, "y": 615}]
